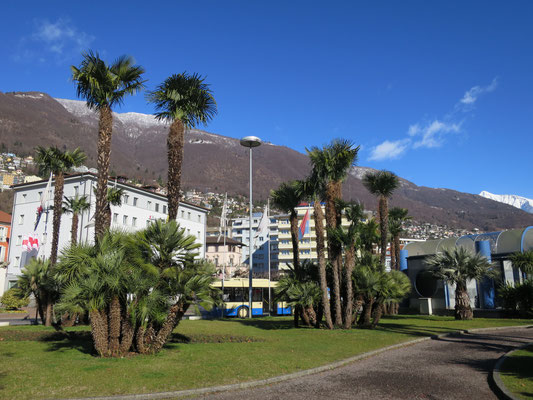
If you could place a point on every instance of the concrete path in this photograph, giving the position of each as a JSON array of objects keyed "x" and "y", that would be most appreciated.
[{"x": 453, "y": 367}]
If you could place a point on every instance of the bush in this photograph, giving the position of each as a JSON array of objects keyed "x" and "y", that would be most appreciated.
[
  {"x": 13, "y": 299},
  {"x": 518, "y": 298}
]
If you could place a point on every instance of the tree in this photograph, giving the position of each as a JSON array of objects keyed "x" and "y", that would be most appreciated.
[
  {"x": 457, "y": 266},
  {"x": 382, "y": 184},
  {"x": 330, "y": 166},
  {"x": 75, "y": 206},
  {"x": 185, "y": 101},
  {"x": 524, "y": 261},
  {"x": 36, "y": 279},
  {"x": 114, "y": 198},
  {"x": 397, "y": 217},
  {"x": 103, "y": 87},
  {"x": 58, "y": 162}
]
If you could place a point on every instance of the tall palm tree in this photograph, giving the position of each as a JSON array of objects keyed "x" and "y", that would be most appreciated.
[
  {"x": 58, "y": 162},
  {"x": 368, "y": 235},
  {"x": 397, "y": 217},
  {"x": 382, "y": 184},
  {"x": 524, "y": 261},
  {"x": 457, "y": 266},
  {"x": 185, "y": 101},
  {"x": 103, "y": 87},
  {"x": 286, "y": 198},
  {"x": 315, "y": 193},
  {"x": 75, "y": 206},
  {"x": 331, "y": 165},
  {"x": 114, "y": 198}
]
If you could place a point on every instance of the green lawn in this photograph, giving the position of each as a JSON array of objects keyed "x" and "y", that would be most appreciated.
[
  {"x": 36, "y": 363},
  {"x": 517, "y": 373}
]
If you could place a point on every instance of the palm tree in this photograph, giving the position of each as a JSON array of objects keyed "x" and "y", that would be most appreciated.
[
  {"x": 368, "y": 235},
  {"x": 330, "y": 166},
  {"x": 185, "y": 101},
  {"x": 286, "y": 198},
  {"x": 54, "y": 161},
  {"x": 36, "y": 280},
  {"x": 382, "y": 184},
  {"x": 314, "y": 192},
  {"x": 524, "y": 261},
  {"x": 103, "y": 87},
  {"x": 75, "y": 206},
  {"x": 347, "y": 238},
  {"x": 457, "y": 266},
  {"x": 397, "y": 216},
  {"x": 114, "y": 198}
]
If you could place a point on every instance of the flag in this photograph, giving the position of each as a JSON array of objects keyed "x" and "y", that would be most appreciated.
[
  {"x": 304, "y": 226},
  {"x": 262, "y": 228},
  {"x": 43, "y": 203},
  {"x": 30, "y": 242},
  {"x": 223, "y": 218}
]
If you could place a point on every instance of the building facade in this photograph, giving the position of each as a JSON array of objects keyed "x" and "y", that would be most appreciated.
[
  {"x": 225, "y": 254},
  {"x": 265, "y": 246},
  {"x": 139, "y": 207}
]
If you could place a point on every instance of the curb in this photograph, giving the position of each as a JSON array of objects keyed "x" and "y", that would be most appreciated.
[
  {"x": 282, "y": 378},
  {"x": 497, "y": 380}
]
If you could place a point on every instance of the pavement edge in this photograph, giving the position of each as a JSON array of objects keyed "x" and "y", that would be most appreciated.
[{"x": 497, "y": 380}]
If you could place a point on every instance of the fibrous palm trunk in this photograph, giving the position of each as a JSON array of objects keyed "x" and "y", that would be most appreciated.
[
  {"x": 105, "y": 130},
  {"x": 175, "y": 143},
  {"x": 462, "y": 303},
  {"x": 174, "y": 316},
  {"x": 397, "y": 251},
  {"x": 295, "y": 257},
  {"x": 115, "y": 315},
  {"x": 334, "y": 251},
  {"x": 365, "y": 318},
  {"x": 99, "y": 332},
  {"x": 321, "y": 252},
  {"x": 74, "y": 229},
  {"x": 383, "y": 227},
  {"x": 392, "y": 255},
  {"x": 350, "y": 264}
]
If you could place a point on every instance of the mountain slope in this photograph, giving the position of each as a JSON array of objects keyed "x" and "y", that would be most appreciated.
[
  {"x": 218, "y": 163},
  {"x": 520, "y": 202}
]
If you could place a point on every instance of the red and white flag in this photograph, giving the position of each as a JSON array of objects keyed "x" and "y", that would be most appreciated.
[{"x": 30, "y": 242}]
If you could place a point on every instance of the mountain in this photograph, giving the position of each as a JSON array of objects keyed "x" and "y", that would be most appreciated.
[
  {"x": 218, "y": 163},
  {"x": 520, "y": 202}
]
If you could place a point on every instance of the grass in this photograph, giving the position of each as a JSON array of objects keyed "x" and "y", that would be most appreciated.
[
  {"x": 39, "y": 363},
  {"x": 517, "y": 373}
]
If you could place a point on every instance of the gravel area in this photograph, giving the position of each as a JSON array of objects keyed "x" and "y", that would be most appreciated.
[{"x": 453, "y": 367}]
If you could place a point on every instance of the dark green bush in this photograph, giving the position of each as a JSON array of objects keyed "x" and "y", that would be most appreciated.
[
  {"x": 518, "y": 298},
  {"x": 13, "y": 299}
]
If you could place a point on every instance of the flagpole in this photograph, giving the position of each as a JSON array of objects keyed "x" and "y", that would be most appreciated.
[{"x": 268, "y": 243}]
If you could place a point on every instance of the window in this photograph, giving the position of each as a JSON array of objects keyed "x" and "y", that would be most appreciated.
[
  {"x": 134, "y": 221},
  {"x": 147, "y": 222},
  {"x": 76, "y": 190},
  {"x": 45, "y": 237},
  {"x": 115, "y": 218},
  {"x": 198, "y": 236},
  {"x": 189, "y": 215},
  {"x": 126, "y": 198},
  {"x": 125, "y": 220},
  {"x": 17, "y": 261},
  {"x": 24, "y": 198},
  {"x": 149, "y": 205},
  {"x": 156, "y": 207},
  {"x": 19, "y": 240},
  {"x": 188, "y": 231},
  {"x": 2, "y": 235},
  {"x": 182, "y": 214},
  {"x": 199, "y": 218},
  {"x": 164, "y": 209},
  {"x": 40, "y": 194},
  {"x": 135, "y": 199},
  {"x": 21, "y": 219}
]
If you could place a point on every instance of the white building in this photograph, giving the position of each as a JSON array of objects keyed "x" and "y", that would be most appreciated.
[{"x": 139, "y": 207}]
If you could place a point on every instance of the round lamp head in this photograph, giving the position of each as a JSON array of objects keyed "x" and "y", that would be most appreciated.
[{"x": 250, "y": 141}]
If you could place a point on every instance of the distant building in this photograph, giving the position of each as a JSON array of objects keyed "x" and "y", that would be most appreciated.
[
  {"x": 5, "y": 233},
  {"x": 139, "y": 207},
  {"x": 31, "y": 178},
  {"x": 224, "y": 253},
  {"x": 265, "y": 246}
]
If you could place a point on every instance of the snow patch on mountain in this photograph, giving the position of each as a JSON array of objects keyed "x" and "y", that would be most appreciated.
[
  {"x": 77, "y": 107},
  {"x": 513, "y": 200}
]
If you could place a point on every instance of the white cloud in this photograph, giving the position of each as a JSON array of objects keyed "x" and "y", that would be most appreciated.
[
  {"x": 413, "y": 130},
  {"x": 389, "y": 150},
  {"x": 433, "y": 133},
  {"x": 472, "y": 94},
  {"x": 60, "y": 40}
]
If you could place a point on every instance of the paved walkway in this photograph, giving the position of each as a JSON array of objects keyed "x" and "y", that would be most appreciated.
[{"x": 454, "y": 367}]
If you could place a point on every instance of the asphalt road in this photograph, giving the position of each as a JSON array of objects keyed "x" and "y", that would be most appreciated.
[{"x": 455, "y": 367}]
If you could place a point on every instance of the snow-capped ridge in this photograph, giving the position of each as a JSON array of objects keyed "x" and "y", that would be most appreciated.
[{"x": 520, "y": 202}]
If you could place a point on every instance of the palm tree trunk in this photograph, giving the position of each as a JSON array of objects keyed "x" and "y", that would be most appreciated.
[
  {"x": 350, "y": 264},
  {"x": 397, "y": 251},
  {"x": 383, "y": 226},
  {"x": 99, "y": 332},
  {"x": 463, "y": 311},
  {"x": 365, "y": 318},
  {"x": 114, "y": 326},
  {"x": 175, "y": 144},
  {"x": 392, "y": 255},
  {"x": 295, "y": 241},
  {"x": 59, "y": 181},
  {"x": 333, "y": 248},
  {"x": 378, "y": 312},
  {"x": 74, "y": 229},
  {"x": 48, "y": 316},
  {"x": 174, "y": 316},
  {"x": 105, "y": 130},
  {"x": 128, "y": 333},
  {"x": 319, "y": 232}
]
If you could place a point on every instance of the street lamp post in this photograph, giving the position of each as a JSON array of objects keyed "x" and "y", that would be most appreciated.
[{"x": 250, "y": 142}]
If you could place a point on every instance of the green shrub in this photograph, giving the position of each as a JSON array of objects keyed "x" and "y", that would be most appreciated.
[
  {"x": 518, "y": 298},
  {"x": 13, "y": 299}
]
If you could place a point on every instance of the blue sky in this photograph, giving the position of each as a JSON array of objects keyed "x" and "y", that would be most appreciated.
[{"x": 439, "y": 92}]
